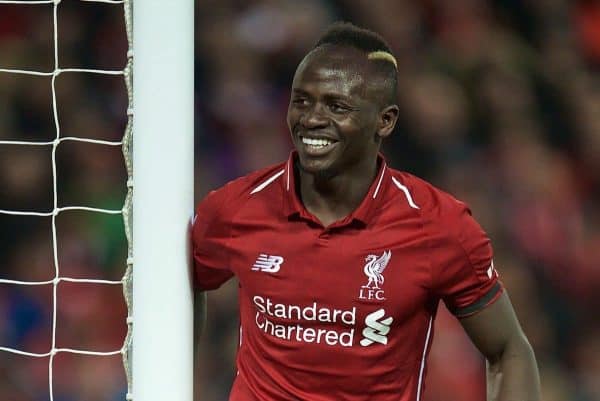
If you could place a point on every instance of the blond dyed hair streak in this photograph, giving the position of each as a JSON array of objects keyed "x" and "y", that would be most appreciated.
[{"x": 383, "y": 55}]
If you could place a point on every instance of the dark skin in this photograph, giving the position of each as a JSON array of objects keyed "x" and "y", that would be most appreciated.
[
  {"x": 337, "y": 95},
  {"x": 332, "y": 99},
  {"x": 513, "y": 373}
]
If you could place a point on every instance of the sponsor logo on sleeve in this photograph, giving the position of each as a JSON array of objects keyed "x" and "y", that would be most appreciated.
[{"x": 491, "y": 271}]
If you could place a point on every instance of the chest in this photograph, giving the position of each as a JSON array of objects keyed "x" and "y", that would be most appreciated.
[{"x": 352, "y": 267}]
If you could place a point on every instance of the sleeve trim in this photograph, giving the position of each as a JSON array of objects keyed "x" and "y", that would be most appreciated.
[{"x": 480, "y": 304}]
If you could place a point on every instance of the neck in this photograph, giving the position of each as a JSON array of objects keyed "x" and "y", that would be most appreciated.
[{"x": 331, "y": 196}]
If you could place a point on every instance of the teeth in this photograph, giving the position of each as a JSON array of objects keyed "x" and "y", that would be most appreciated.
[{"x": 319, "y": 143}]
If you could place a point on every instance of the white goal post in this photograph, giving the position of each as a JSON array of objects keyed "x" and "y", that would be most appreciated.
[{"x": 163, "y": 88}]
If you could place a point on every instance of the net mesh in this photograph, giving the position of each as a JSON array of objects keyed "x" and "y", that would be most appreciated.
[{"x": 126, "y": 146}]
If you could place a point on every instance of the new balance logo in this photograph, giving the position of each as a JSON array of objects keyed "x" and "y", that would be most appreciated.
[
  {"x": 376, "y": 330},
  {"x": 268, "y": 263}
]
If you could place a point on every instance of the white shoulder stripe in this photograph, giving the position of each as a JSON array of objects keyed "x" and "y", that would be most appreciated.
[
  {"x": 405, "y": 190},
  {"x": 264, "y": 184}
]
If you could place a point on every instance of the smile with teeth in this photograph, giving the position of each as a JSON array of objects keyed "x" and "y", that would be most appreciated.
[{"x": 316, "y": 143}]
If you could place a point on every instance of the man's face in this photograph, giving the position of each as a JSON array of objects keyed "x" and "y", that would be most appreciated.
[{"x": 331, "y": 116}]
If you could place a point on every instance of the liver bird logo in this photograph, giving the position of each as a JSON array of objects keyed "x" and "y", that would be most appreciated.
[{"x": 374, "y": 269}]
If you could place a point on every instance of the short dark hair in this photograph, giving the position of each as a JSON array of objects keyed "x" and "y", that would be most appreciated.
[{"x": 347, "y": 34}]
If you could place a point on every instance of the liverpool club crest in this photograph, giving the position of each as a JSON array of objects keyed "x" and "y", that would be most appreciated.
[{"x": 374, "y": 267}]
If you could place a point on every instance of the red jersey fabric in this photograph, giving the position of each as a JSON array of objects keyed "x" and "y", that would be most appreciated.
[{"x": 343, "y": 312}]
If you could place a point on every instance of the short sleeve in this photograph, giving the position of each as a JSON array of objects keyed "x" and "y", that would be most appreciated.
[
  {"x": 210, "y": 235},
  {"x": 464, "y": 274}
]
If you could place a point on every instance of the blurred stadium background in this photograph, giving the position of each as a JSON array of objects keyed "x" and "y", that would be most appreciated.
[{"x": 500, "y": 106}]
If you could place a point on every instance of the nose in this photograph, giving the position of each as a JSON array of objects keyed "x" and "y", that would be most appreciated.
[{"x": 314, "y": 117}]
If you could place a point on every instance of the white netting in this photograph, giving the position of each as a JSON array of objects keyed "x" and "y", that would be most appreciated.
[{"x": 125, "y": 211}]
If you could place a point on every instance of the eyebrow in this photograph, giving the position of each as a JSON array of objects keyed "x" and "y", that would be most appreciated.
[
  {"x": 327, "y": 96},
  {"x": 299, "y": 91},
  {"x": 346, "y": 99}
]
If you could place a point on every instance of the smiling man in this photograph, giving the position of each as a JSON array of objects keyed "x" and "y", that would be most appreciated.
[{"x": 342, "y": 261}]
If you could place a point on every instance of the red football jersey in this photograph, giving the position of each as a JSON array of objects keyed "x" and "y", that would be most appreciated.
[{"x": 343, "y": 312}]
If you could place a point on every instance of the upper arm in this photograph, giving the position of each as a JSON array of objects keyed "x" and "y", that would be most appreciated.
[
  {"x": 463, "y": 272},
  {"x": 512, "y": 373},
  {"x": 210, "y": 238},
  {"x": 494, "y": 328}
]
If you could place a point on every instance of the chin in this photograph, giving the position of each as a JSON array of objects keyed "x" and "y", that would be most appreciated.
[{"x": 319, "y": 170}]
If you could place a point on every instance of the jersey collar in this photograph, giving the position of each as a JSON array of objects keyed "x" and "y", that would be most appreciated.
[{"x": 293, "y": 207}]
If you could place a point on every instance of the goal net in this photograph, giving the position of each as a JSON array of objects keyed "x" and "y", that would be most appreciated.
[
  {"x": 74, "y": 285},
  {"x": 155, "y": 346}
]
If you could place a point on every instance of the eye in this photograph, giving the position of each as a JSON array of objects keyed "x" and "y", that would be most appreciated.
[
  {"x": 338, "y": 108},
  {"x": 299, "y": 101}
]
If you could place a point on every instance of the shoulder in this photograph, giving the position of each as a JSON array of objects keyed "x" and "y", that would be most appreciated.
[
  {"x": 434, "y": 204},
  {"x": 444, "y": 217},
  {"x": 236, "y": 193}
]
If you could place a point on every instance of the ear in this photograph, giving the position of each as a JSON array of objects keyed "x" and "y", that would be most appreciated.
[{"x": 387, "y": 120}]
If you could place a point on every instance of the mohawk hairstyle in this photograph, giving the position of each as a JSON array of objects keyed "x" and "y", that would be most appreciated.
[
  {"x": 372, "y": 44},
  {"x": 347, "y": 34}
]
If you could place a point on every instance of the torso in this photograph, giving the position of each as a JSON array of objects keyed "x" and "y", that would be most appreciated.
[{"x": 337, "y": 313}]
